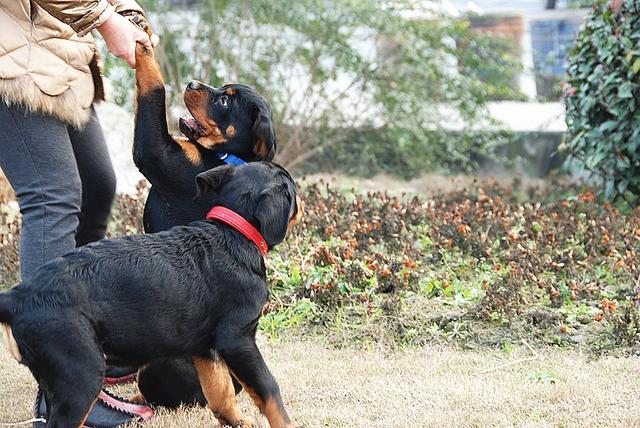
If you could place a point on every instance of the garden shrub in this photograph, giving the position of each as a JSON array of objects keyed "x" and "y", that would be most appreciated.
[
  {"x": 603, "y": 98},
  {"x": 493, "y": 252},
  {"x": 396, "y": 270}
]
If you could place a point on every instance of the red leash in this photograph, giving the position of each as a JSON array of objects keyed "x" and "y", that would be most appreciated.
[{"x": 240, "y": 224}]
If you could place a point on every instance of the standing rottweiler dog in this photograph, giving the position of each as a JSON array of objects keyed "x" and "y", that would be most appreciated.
[
  {"x": 193, "y": 291},
  {"x": 232, "y": 124}
]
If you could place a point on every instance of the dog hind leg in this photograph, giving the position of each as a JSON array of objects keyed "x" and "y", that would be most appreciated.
[
  {"x": 220, "y": 392},
  {"x": 247, "y": 365}
]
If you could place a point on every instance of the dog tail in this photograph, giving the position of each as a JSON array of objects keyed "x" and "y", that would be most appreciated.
[{"x": 6, "y": 308}]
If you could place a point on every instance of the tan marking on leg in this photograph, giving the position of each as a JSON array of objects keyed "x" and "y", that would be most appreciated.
[
  {"x": 275, "y": 414},
  {"x": 148, "y": 74},
  {"x": 189, "y": 149},
  {"x": 138, "y": 399},
  {"x": 217, "y": 386},
  {"x": 10, "y": 342},
  {"x": 231, "y": 131}
]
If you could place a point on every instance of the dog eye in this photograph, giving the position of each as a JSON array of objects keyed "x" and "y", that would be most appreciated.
[{"x": 224, "y": 101}]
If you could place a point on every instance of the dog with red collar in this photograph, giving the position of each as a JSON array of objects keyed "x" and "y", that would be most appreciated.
[{"x": 193, "y": 291}]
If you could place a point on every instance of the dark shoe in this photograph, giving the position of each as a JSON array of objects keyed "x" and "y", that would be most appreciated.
[
  {"x": 117, "y": 375},
  {"x": 109, "y": 411}
]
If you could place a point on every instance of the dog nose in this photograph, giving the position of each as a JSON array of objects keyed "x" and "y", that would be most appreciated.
[{"x": 193, "y": 85}]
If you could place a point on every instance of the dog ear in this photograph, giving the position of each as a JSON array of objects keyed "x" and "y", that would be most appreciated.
[
  {"x": 209, "y": 181},
  {"x": 273, "y": 213},
  {"x": 263, "y": 132}
]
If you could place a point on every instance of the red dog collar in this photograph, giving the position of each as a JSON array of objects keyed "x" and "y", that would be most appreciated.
[{"x": 240, "y": 224}]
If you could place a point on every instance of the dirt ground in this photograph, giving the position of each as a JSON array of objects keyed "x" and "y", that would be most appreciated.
[{"x": 429, "y": 387}]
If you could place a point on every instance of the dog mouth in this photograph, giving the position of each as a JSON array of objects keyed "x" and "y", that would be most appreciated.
[{"x": 190, "y": 127}]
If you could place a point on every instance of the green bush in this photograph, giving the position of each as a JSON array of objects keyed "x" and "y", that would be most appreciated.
[
  {"x": 486, "y": 265},
  {"x": 602, "y": 97}
]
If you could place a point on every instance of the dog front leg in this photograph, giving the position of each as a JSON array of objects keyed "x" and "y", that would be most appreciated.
[
  {"x": 151, "y": 136},
  {"x": 217, "y": 387},
  {"x": 245, "y": 361},
  {"x": 160, "y": 157}
]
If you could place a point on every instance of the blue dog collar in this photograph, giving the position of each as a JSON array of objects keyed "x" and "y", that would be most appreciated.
[{"x": 230, "y": 159}]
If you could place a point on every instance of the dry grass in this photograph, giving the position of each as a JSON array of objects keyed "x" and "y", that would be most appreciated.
[{"x": 434, "y": 386}]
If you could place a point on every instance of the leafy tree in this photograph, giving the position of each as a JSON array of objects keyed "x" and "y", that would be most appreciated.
[
  {"x": 602, "y": 97},
  {"x": 329, "y": 66}
]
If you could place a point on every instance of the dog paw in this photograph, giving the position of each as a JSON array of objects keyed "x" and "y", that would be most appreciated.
[
  {"x": 242, "y": 422},
  {"x": 140, "y": 21},
  {"x": 137, "y": 399},
  {"x": 142, "y": 49}
]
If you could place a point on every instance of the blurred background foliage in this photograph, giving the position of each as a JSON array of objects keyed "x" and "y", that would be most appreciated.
[
  {"x": 602, "y": 98},
  {"x": 339, "y": 72}
]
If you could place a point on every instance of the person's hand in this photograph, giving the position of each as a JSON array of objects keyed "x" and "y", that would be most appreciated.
[
  {"x": 121, "y": 37},
  {"x": 141, "y": 22}
]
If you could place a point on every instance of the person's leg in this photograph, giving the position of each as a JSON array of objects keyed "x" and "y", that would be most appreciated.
[
  {"x": 37, "y": 158},
  {"x": 98, "y": 180},
  {"x": 98, "y": 189}
]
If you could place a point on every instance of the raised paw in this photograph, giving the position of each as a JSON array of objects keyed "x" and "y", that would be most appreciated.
[
  {"x": 140, "y": 21},
  {"x": 143, "y": 50}
]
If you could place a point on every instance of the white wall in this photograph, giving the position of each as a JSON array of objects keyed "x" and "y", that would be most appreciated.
[{"x": 497, "y": 6}]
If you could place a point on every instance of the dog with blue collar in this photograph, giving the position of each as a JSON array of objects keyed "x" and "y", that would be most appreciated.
[{"x": 230, "y": 125}]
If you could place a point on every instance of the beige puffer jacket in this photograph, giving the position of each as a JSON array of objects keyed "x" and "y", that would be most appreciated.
[{"x": 48, "y": 59}]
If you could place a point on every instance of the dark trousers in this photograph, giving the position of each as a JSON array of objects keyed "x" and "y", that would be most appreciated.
[{"x": 63, "y": 179}]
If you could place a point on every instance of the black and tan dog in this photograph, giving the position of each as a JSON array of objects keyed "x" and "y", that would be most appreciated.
[
  {"x": 194, "y": 291},
  {"x": 232, "y": 124}
]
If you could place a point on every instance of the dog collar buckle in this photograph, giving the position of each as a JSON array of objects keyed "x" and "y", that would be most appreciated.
[{"x": 236, "y": 221}]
